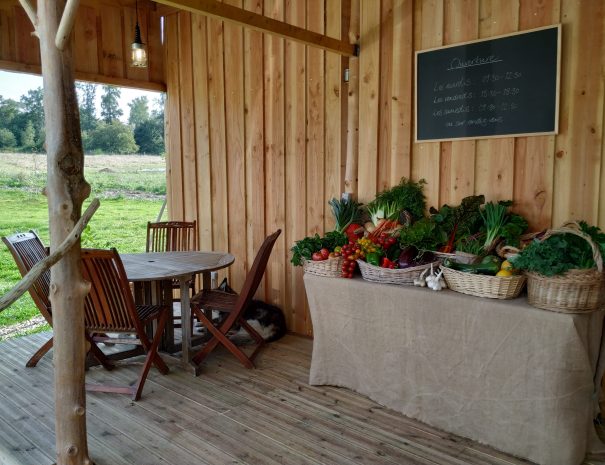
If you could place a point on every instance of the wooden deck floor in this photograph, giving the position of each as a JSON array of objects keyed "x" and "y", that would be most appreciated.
[{"x": 228, "y": 415}]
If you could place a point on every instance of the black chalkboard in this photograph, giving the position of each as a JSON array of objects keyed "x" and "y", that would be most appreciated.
[{"x": 496, "y": 87}]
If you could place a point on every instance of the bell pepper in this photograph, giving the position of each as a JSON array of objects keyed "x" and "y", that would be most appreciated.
[
  {"x": 386, "y": 263},
  {"x": 373, "y": 258}
]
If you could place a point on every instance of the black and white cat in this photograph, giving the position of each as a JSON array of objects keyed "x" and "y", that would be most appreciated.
[{"x": 268, "y": 320}]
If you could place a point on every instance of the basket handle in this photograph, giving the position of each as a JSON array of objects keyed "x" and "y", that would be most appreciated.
[{"x": 572, "y": 227}]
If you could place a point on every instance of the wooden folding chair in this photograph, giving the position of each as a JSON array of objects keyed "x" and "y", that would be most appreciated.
[
  {"x": 234, "y": 305},
  {"x": 27, "y": 249},
  {"x": 109, "y": 308},
  {"x": 173, "y": 236}
]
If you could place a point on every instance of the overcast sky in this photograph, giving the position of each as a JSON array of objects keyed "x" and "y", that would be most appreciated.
[{"x": 14, "y": 85}]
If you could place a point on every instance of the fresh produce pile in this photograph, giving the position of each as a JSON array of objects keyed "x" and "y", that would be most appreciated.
[{"x": 395, "y": 231}]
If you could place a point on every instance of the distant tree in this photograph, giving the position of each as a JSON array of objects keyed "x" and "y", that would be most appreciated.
[
  {"x": 149, "y": 136},
  {"x": 86, "y": 99},
  {"x": 139, "y": 111},
  {"x": 28, "y": 137},
  {"x": 110, "y": 108},
  {"x": 7, "y": 139},
  {"x": 114, "y": 137},
  {"x": 9, "y": 110},
  {"x": 33, "y": 110}
]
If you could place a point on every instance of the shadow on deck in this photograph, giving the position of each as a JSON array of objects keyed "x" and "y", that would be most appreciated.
[{"x": 227, "y": 415}]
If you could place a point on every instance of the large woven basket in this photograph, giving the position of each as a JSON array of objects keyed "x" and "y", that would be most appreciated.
[
  {"x": 576, "y": 291},
  {"x": 492, "y": 287},
  {"x": 330, "y": 268},
  {"x": 460, "y": 257},
  {"x": 378, "y": 274}
]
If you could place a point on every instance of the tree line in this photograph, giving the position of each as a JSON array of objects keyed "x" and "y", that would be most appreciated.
[{"x": 22, "y": 123}]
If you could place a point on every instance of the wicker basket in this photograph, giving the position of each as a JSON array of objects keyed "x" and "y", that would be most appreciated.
[
  {"x": 575, "y": 291},
  {"x": 378, "y": 274},
  {"x": 460, "y": 257},
  {"x": 492, "y": 287},
  {"x": 331, "y": 268}
]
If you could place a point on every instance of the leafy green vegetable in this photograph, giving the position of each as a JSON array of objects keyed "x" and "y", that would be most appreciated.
[
  {"x": 560, "y": 253},
  {"x": 494, "y": 218},
  {"x": 345, "y": 212},
  {"x": 456, "y": 222},
  {"x": 405, "y": 196},
  {"x": 423, "y": 234},
  {"x": 471, "y": 244},
  {"x": 305, "y": 247},
  {"x": 513, "y": 230}
]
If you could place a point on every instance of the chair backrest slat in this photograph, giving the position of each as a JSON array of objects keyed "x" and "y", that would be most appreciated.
[
  {"x": 109, "y": 306},
  {"x": 27, "y": 249},
  {"x": 171, "y": 236},
  {"x": 253, "y": 278}
]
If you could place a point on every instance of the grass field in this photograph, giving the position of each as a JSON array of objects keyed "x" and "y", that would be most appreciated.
[{"x": 128, "y": 187}]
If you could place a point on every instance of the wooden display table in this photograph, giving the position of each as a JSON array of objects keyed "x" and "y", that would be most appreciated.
[{"x": 500, "y": 372}]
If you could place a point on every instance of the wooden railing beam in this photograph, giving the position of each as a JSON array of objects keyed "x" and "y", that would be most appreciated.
[{"x": 262, "y": 23}]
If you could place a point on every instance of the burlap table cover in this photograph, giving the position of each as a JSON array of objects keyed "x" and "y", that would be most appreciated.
[{"x": 500, "y": 372}]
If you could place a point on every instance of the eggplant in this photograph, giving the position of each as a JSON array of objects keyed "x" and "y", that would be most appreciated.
[{"x": 407, "y": 257}]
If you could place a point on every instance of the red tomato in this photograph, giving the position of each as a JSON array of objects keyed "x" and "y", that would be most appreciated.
[
  {"x": 325, "y": 253},
  {"x": 317, "y": 257}
]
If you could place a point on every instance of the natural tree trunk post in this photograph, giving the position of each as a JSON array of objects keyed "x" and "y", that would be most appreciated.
[{"x": 66, "y": 190}]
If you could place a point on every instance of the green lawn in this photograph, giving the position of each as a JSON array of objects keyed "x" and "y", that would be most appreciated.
[{"x": 119, "y": 222}]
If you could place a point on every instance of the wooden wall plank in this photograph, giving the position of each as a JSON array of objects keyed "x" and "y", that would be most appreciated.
[
  {"x": 385, "y": 131},
  {"x": 369, "y": 88},
  {"x": 296, "y": 162},
  {"x": 457, "y": 177},
  {"x": 333, "y": 180},
  {"x": 112, "y": 49},
  {"x": 254, "y": 144},
  {"x": 188, "y": 146},
  {"x": 218, "y": 154},
  {"x": 274, "y": 154},
  {"x": 86, "y": 40},
  {"x": 202, "y": 131},
  {"x": 534, "y": 156},
  {"x": 316, "y": 200},
  {"x": 402, "y": 86},
  {"x": 426, "y": 156},
  {"x": 495, "y": 158},
  {"x": 174, "y": 172},
  {"x": 236, "y": 162},
  {"x": 578, "y": 148},
  {"x": 27, "y": 47},
  {"x": 155, "y": 48}
]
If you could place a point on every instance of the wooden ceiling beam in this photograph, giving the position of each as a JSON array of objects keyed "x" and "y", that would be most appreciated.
[{"x": 262, "y": 23}]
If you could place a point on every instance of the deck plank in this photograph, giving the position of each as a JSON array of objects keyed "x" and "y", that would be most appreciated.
[{"x": 226, "y": 416}]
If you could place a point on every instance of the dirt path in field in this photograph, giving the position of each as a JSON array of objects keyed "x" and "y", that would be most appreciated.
[{"x": 20, "y": 328}]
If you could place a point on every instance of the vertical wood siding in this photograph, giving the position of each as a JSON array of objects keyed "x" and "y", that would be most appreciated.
[{"x": 269, "y": 119}]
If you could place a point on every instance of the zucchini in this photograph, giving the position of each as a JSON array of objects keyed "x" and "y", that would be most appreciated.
[{"x": 490, "y": 265}]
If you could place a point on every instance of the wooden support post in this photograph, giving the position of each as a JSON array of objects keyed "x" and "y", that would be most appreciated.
[
  {"x": 66, "y": 190},
  {"x": 353, "y": 107}
]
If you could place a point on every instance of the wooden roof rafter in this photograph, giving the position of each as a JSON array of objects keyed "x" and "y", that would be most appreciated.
[{"x": 264, "y": 24}]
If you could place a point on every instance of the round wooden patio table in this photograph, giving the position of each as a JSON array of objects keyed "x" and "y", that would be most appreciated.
[{"x": 163, "y": 267}]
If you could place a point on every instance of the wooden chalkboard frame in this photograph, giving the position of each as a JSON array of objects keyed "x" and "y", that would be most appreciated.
[{"x": 487, "y": 39}]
